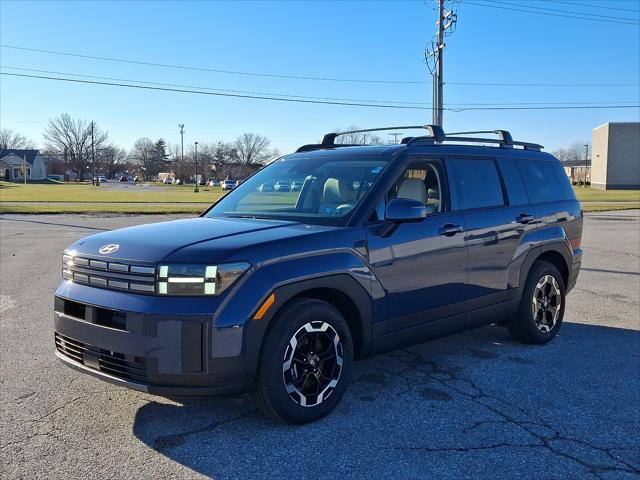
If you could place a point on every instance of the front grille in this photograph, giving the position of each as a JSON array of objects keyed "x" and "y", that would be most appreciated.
[
  {"x": 110, "y": 275},
  {"x": 113, "y": 363}
]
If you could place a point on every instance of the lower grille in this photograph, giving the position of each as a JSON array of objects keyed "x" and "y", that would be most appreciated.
[{"x": 107, "y": 361}]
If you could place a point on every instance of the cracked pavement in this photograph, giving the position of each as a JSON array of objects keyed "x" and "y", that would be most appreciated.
[{"x": 474, "y": 405}]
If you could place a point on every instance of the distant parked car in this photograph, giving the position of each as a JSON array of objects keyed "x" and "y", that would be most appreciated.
[
  {"x": 178, "y": 181},
  {"x": 100, "y": 178},
  {"x": 265, "y": 187},
  {"x": 282, "y": 186},
  {"x": 228, "y": 184},
  {"x": 123, "y": 178},
  {"x": 296, "y": 186},
  {"x": 168, "y": 180},
  {"x": 214, "y": 183}
]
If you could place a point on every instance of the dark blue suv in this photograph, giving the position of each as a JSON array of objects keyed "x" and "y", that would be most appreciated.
[{"x": 277, "y": 292}]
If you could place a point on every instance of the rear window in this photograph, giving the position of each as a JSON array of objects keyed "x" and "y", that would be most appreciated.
[
  {"x": 477, "y": 184},
  {"x": 545, "y": 181}
]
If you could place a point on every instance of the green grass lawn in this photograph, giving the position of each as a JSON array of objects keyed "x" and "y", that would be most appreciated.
[
  {"x": 592, "y": 195},
  {"x": 182, "y": 195},
  {"x": 122, "y": 209},
  {"x": 73, "y": 192}
]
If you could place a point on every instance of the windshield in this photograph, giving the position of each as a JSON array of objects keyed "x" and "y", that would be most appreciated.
[{"x": 310, "y": 190}]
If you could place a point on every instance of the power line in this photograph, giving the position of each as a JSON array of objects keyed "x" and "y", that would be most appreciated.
[
  {"x": 302, "y": 96},
  {"x": 212, "y": 89},
  {"x": 205, "y": 69},
  {"x": 351, "y": 104},
  {"x": 467, "y": 2},
  {"x": 217, "y": 94},
  {"x": 476, "y": 84},
  {"x": 301, "y": 77},
  {"x": 567, "y": 107},
  {"x": 592, "y": 6},
  {"x": 597, "y": 15}
]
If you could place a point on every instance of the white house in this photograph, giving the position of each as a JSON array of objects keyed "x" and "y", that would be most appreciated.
[{"x": 13, "y": 162}]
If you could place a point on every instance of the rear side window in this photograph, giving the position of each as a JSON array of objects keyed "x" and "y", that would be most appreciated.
[
  {"x": 477, "y": 184},
  {"x": 516, "y": 193},
  {"x": 545, "y": 181}
]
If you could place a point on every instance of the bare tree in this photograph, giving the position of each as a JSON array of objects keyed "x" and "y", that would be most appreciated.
[
  {"x": 574, "y": 153},
  {"x": 71, "y": 139},
  {"x": 11, "y": 139},
  {"x": 150, "y": 157},
  {"x": 364, "y": 138},
  {"x": 111, "y": 159},
  {"x": 223, "y": 154},
  {"x": 251, "y": 148},
  {"x": 142, "y": 154},
  {"x": 206, "y": 159},
  {"x": 182, "y": 169},
  {"x": 175, "y": 152}
]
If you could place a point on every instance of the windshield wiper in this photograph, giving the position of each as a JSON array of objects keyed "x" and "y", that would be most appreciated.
[{"x": 255, "y": 217}]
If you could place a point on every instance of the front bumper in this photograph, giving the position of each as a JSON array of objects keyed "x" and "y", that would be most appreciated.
[{"x": 163, "y": 354}]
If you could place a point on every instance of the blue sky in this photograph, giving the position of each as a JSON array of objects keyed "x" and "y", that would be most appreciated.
[{"x": 366, "y": 40}]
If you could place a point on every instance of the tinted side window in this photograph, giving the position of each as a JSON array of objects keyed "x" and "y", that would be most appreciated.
[
  {"x": 477, "y": 183},
  {"x": 545, "y": 181},
  {"x": 516, "y": 193}
]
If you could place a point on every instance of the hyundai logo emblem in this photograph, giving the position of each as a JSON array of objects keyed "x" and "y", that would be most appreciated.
[{"x": 107, "y": 249}]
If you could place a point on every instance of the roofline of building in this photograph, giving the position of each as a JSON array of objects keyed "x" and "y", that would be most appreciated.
[{"x": 616, "y": 123}]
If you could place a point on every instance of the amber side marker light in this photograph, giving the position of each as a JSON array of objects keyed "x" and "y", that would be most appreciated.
[
  {"x": 576, "y": 242},
  {"x": 265, "y": 307}
]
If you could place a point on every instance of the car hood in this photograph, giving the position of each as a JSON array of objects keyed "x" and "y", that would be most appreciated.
[{"x": 155, "y": 241}]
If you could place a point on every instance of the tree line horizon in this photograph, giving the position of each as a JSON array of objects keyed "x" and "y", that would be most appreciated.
[{"x": 70, "y": 139}]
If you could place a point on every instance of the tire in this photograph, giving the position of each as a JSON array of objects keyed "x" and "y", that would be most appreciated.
[
  {"x": 545, "y": 281},
  {"x": 294, "y": 384}
]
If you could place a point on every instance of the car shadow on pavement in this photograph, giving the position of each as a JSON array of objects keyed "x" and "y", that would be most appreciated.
[{"x": 472, "y": 405}]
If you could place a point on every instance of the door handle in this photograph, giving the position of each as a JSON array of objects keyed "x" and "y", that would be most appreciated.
[
  {"x": 524, "y": 218},
  {"x": 449, "y": 229}
]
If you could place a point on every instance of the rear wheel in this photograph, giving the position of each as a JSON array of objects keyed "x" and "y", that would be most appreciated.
[
  {"x": 542, "y": 306},
  {"x": 305, "y": 363}
]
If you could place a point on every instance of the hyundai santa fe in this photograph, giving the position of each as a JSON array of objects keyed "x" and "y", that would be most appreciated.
[{"x": 382, "y": 247}]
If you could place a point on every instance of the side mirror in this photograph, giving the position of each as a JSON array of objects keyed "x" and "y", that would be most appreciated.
[{"x": 400, "y": 210}]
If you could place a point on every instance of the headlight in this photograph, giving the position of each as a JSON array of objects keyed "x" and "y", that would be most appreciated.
[{"x": 198, "y": 279}]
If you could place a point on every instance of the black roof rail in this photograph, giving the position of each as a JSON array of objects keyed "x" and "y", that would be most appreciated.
[
  {"x": 436, "y": 134},
  {"x": 504, "y": 135},
  {"x": 435, "y": 131},
  {"x": 328, "y": 141},
  {"x": 504, "y": 140}
]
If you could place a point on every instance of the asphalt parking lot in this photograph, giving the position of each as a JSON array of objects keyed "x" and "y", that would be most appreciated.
[{"x": 475, "y": 405}]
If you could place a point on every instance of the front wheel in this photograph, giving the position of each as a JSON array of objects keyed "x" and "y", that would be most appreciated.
[
  {"x": 305, "y": 363},
  {"x": 542, "y": 306}
]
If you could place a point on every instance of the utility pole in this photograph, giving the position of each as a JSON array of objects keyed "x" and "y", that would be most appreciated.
[
  {"x": 440, "y": 58},
  {"x": 93, "y": 159},
  {"x": 586, "y": 163},
  {"x": 395, "y": 136},
  {"x": 434, "y": 57},
  {"x": 196, "y": 189}
]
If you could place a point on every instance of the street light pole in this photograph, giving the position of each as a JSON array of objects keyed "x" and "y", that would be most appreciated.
[
  {"x": 196, "y": 189},
  {"x": 586, "y": 163},
  {"x": 93, "y": 159},
  {"x": 181, "y": 125}
]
